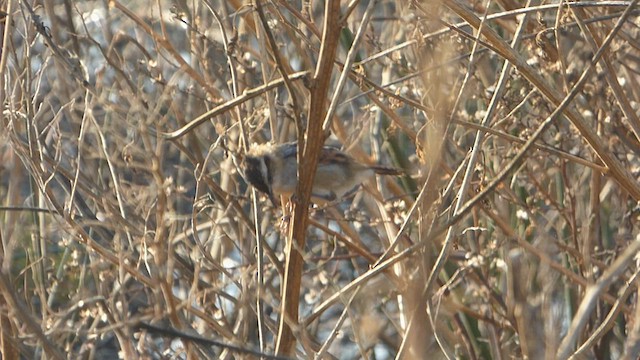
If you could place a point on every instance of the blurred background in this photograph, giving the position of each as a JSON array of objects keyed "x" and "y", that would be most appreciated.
[{"x": 128, "y": 232}]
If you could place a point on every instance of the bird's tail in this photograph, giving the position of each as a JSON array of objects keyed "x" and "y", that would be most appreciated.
[{"x": 383, "y": 170}]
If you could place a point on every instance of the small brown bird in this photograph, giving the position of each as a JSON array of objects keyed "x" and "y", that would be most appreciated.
[{"x": 272, "y": 169}]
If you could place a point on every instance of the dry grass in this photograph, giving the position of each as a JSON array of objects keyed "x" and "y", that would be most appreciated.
[{"x": 127, "y": 230}]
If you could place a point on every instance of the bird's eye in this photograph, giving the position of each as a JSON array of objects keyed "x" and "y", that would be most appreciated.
[{"x": 254, "y": 174}]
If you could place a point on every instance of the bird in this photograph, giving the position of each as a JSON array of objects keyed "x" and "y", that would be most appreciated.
[{"x": 272, "y": 170}]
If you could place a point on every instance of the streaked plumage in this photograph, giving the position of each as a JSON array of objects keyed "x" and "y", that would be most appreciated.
[{"x": 272, "y": 169}]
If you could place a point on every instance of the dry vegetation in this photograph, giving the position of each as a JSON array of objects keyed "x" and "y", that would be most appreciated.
[{"x": 127, "y": 230}]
